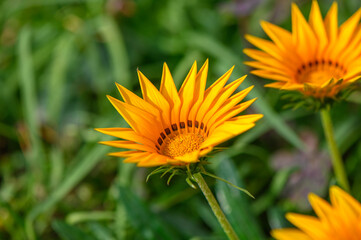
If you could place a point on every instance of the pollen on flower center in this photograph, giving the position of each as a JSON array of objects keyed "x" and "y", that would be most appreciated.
[
  {"x": 319, "y": 72},
  {"x": 181, "y": 144}
]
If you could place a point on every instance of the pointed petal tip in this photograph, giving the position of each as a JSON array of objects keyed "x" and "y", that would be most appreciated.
[
  {"x": 112, "y": 99},
  {"x": 246, "y": 50},
  {"x": 264, "y": 24},
  {"x": 259, "y": 116},
  {"x": 97, "y": 129},
  {"x": 165, "y": 66},
  {"x": 248, "y": 37}
]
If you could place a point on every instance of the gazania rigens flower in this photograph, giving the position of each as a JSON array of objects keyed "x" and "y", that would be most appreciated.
[
  {"x": 177, "y": 128},
  {"x": 339, "y": 220},
  {"x": 318, "y": 58}
]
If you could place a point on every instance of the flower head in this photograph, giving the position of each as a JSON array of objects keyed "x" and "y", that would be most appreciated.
[
  {"x": 168, "y": 127},
  {"x": 317, "y": 58},
  {"x": 339, "y": 220}
]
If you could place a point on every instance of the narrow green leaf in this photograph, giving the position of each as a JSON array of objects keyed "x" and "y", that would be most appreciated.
[
  {"x": 77, "y": 217},
  {"x": 57, "y": 77},
  {"x": 142, "y": 219},
  {"x": 28, "y": 98},
  {"x": 77, "y": 173},
  {"x": 117, "y": 50},
  {"x": 68, "y": 232},
  {"x": 236, "y": 204},
  {"x": 100, "y": 232}
]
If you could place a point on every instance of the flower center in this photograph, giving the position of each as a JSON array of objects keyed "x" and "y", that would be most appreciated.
[
  {"x": 181, "y": 144},
  {"x": 319, "y": 72}
]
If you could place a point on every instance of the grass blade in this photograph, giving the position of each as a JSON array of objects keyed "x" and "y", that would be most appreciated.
[
  {"x": 74, "y": 176},
  {"x": 141, "y": 218},
  {"x": 236, "y": 204},
  {"x": 117, "y": 50},
  {"x": 57, "y": 77}
]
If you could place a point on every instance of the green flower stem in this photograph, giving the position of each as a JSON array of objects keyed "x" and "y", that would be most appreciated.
[
  {"x": 215, "y": 207},
  {"x": 335, "y": 153}
]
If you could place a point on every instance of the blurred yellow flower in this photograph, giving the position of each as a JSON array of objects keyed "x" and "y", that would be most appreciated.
[
  {"x": 340, "y": 220},
  {"x": 317, "y": 58},
  {"x": 177, "y": 128}
]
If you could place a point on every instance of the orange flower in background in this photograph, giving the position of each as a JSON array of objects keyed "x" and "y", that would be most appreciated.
[
  {"x": 340, "y": 220},
  {"x": 177, "y": 128},
  {"x": 317, "y": 58}
]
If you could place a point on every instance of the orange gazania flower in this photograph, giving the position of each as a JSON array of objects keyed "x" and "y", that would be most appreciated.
[
  {"x": 168, "y": 127},
  {"x": 339, "y": 220},
  {"x": 317, "y": 58}
]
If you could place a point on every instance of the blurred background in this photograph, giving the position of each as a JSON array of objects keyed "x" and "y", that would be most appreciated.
[{"x": 59, "y": 59}]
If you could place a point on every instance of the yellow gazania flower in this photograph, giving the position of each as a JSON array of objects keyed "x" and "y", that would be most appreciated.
[
  {"x": 339, "y": 221},
  {"x": 177, "y": 128},
  {"x": 318, "y": 58}
]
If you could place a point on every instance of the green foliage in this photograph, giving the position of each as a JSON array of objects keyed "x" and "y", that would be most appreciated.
[{"x": 58, "y": 60}]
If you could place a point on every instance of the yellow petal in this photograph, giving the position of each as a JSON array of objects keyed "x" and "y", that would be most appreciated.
[
  {"x": 128, "y": 145},
  {"x": 348, "y": 28},
  {"x": 211, "y": 93},
  {"x": 321, "y": 207},
  {"x": 225, "y": 132},
  {"x": 281, "y": 37},
  {"x": 277, "y": 69},
  {"x": 331, "y": 23},
  {"x": 222, "y": 97},
  {"x": 345, "y": 203},
  {"x": 316, "y": 22},
  {"x": 278, "y": 85},
  {"x": 245, "y": 119},
  {"x": 270, "y": 75},
  {"x": 187, "y": 92},
  {"x": 353, "y": 50},
  {"x": 137, "y": 157},
  {"x": 308, "y": 224},
  {"x": 214, "y": 122},
  {"x": 127, "y": 134},
  {"x": 190, "y": 157},
  {"x": 169, "y": 91},
  {"x": 141, "y": 121},
  {"x": 268, "y": 59},
  {"x": 303, "y": 36},
  {"x": 152, "y": 160},
  {"x": 266, "y": 46},
  {"x": 132, "y": 99},
  {"x": 289, "y": 234},
  {"x": 200, "y": 85},
  {"x": 124, "y": 154},
  {"x": 154, "y": 97}
]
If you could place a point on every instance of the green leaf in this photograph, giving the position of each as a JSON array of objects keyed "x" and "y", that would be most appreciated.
[
  {"x": 68, "y": 232},
  {"x": 77, "y": 173},
  {"x": 117, "y": 50},
  {"x": 278, "y": 183},
  {"x": 100, "y": 232},
  {"x": 57, "y": 77},
  {"x": 77, "y": 217},
  {"x": 142, "y": 219},
  {"x": 29, "y": 99},
  {"x": 236, "y": 204}
]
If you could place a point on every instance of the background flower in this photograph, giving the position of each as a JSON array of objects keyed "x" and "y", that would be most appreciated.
[
  {"x": 339, "y": 220},
  {"x": 317, "y": 58}
]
